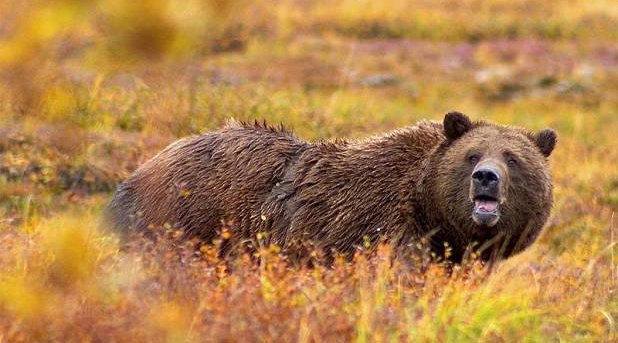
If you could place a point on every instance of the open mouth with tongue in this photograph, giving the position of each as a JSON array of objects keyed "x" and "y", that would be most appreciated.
[{"x": 486, "y": 211}]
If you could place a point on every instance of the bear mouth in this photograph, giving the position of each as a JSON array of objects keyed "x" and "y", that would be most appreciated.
[{"x": 486, "y": 210}]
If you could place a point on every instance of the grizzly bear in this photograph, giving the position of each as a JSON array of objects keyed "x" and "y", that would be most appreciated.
[{"x": 457, "y": 185}]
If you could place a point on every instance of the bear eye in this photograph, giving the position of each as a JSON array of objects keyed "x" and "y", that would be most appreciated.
[
  {"x": 474, "y": 158},
  {"x": 511, "y": 161}
]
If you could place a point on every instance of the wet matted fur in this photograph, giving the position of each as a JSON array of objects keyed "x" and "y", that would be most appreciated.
[{"x": 336, "y": 196}]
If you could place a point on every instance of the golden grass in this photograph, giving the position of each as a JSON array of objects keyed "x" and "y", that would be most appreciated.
[{"x": 62, "y": 280}]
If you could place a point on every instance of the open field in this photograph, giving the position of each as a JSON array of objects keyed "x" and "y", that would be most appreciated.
[{"x": 89, "y": 90}]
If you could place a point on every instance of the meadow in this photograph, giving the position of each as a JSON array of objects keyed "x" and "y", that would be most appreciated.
[{"x": 89, "y": 90}]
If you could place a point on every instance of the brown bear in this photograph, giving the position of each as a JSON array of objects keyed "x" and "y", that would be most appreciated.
[{"x": 458, "y": 184}]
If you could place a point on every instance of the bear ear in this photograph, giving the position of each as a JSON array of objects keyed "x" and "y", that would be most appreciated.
[
  {"x": 546, "y": 141},
  {"x": 456, "y": 124}
]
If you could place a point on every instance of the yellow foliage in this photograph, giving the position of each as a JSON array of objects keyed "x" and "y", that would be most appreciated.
[
  {"x": 172, "y": 320},
  {"x": 22, "y": 297},
  {"x": 73, "y": 247}
]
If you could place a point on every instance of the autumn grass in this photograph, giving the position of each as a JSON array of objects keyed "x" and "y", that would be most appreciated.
[
  {"x": 64, "y": 281},
  {"x": 83, "y": 102},
  {"x": 454, "y": 20}
]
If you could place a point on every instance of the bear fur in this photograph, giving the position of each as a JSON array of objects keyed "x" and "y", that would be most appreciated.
[{"x": 406, "y": 186}]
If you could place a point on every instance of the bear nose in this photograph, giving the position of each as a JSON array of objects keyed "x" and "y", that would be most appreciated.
[{"x": 486, "y": 176}]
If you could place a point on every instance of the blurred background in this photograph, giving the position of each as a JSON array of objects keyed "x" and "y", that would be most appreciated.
[{"x": 89, "y": 90}]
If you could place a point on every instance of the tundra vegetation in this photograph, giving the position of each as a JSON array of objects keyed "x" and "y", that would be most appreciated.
[{"x": 91, "y": 89}]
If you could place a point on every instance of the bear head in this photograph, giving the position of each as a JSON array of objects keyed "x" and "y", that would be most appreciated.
[{"x": 490, "y": 185}]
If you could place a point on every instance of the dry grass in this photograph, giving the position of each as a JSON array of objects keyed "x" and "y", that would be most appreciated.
[
  {"x": 91, "y": 89},
  {"x": 63, "y": 281}
]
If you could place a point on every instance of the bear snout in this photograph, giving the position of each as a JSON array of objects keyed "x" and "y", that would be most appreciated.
[
  {"x": 486, "y": 182},
  {"x": 486, "y": 193}
]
